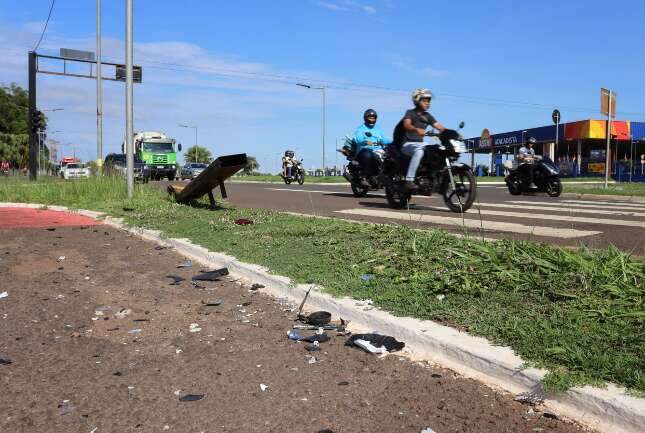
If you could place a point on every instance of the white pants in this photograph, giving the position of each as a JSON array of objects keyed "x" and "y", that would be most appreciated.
[{"x": 413, "y": 149}]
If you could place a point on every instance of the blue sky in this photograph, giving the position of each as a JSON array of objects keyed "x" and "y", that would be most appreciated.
[{"x": 231, "y": 67}]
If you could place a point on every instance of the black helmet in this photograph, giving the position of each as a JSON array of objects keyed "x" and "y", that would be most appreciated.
[
  {"x": 289, "y": 153},
  {"x": 531, "y": 140},
  {"x": 369, "y": 113}
]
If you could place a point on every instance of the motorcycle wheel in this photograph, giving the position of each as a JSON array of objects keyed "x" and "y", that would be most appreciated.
[
  {"x": 396, "y": 198},
  {"x": 301, "y": 179},
  {"x": 462, "y": 198},
  {"x": 359, "y": 190},
  {"x": 514, "y": 185},
  {"x": 287, "y": 180},
  {"x": 553, "y": 187}
]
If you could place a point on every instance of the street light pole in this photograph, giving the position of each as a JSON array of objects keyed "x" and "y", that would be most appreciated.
[
  {"x": 99, "y": 89},
  {"x": 129, "y": 129},
  {"x": 323, "y": 118},
  {"x": 195, "y": 128}
]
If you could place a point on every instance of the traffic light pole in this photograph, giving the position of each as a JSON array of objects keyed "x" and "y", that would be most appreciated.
[{"x": 33, "y": 129}]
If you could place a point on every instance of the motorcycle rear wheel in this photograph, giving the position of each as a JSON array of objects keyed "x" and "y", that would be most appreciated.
[
  {"x": 553, "y": 187},
  {"x": 359, "y": 190},
  {"x": 463, "y": 197},
  {"x": 514, "y": 185},
  {"x": 396, "y": 198}
]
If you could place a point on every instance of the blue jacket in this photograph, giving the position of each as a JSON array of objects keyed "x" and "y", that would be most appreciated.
[{"x": 377, "y": 137}]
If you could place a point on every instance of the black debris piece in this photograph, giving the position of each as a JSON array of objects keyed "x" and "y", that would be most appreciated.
[
  {"x": 343, "y": 383},
  {"x": 175, "y": 279},
  {"x": 213, "y": 303},
  {"x": 212, "y": 275},
  {"x": 128, "y": 209},
  {"x": 140, "y": 320},
  {"x": 246, "y": 304},
  {"x": 321, "y": 338},
  {"x": 51, "y": 229},
  {"x": 158, "y": 247},
  {"x": 5, "y": 361},
  {"x": 185, "y": 264},
  {"x": 117, "y": 373},
  {"x": 377, "y": 340},
  {"x": 436, "y": 375},
  {"x": 256, "y": 286},
  {"x": 312, "y": 348},
  {"x": 191, "y": 397},
  {"x": 549, "y": 415},
  {"x": 318, "y": 318},
  {"x": 325, "y": 431},
  {"x": 243, "y": 222}
]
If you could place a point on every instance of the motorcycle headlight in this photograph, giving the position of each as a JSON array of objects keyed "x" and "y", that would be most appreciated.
[{"x": 458, "y": 146}]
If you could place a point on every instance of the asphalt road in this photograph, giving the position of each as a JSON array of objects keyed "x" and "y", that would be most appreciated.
[{"x": 496, "y": 214}]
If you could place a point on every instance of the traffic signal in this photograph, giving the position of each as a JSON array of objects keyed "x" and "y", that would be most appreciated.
[{"x": 36, "y": 120}]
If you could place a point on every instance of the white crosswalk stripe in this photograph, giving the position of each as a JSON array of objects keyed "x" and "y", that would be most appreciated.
[
  {"x": 628, "y": 207},
  {"x": 457, "y": 222},
  {"x": 607, "y": 203},
  {"x": 569, "y": 209}
]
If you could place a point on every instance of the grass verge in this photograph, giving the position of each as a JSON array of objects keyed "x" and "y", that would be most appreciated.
[
  {"x": 578, "y": 313},
  {"x": 621, "y": 189}
]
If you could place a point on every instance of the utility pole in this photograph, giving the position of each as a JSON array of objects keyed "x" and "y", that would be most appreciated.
[
  {"x": 323, "y": 119},
  {"x": 129, "y": 129},
  {"x": 33, "y": 132},
  {"x": 99, "y": 90},
  {"x": 608, "y": 150}
]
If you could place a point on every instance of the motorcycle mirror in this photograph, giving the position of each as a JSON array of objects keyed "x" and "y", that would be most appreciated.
[
  {"x": 461, "y": 124},
  {"x": 369, "y": 134},
  {"x": 179, "y": 147}
]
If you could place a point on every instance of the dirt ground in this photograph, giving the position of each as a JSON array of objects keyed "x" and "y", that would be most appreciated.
[{"x": 81, "y": 362}]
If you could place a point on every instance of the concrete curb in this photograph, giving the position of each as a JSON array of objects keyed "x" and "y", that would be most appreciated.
[
  {"x": 607, "y": 410},
  {"x": 626, "y": 198}
]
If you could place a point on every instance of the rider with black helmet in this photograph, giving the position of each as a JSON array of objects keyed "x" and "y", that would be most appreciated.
[
  {"x": 367, "y": 138},
  {"x": 288, "y": 161},
  {"x": 527, "y": 157}
]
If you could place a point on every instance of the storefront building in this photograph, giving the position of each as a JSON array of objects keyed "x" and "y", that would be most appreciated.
[{"x": 581, "y": 148}]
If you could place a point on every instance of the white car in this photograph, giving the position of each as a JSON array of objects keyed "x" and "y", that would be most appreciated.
[{"x": 76, "y": 171}]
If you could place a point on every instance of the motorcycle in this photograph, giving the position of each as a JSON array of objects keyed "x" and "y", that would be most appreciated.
[
  {"x": 546, "y": 178},
  {"x": 438, "y": 172},
  {"x": 363, "y": 179},
  {"x": 297, "y": 173}
]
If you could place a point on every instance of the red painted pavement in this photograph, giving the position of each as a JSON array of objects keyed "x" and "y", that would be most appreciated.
[{"x": 15, "y": 218}]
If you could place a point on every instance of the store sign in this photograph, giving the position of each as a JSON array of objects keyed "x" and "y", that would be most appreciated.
[
  {"x": 485, "y": 139},
  {"x": 506, "y": 141},
  {"x": 596, "y": 167}
]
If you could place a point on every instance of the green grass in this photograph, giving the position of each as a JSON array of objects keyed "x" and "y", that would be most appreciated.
[
  {"x": 578, "y": 313},
  {"x": 621, "y": 189}
]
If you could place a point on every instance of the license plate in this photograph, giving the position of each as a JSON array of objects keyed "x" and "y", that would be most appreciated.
[{"x": 160, "y": 166}]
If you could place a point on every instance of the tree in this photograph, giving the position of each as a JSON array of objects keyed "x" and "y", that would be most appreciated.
[
  {"x": 251, "y": 165},
  {"x": 198, "y": 154}
]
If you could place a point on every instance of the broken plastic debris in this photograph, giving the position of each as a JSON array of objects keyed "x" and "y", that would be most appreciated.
[
  {"x": 60, "y": 258},
  {"x": 175, "y": 279},
  {"x": 294, "y": 334},
  {"x": 318, "y": 318},
  {"x": 213, "y": 303},
  {"x": 185, "y": 264},
  {"x": 263, "y": 387},
  {"x": 134, "y": 331},
  {"x": 212, "y": 275},
  {"x": 428, "y": 430},
  {"x": 4, "y": 295},
  {"x": 531, "y": 398},
  {"x": 312, "y": 348},
  {"x": 191, "y": 397},
  {"x": 256, "y": 286},
  {"x": 369, "y": 347},
  {"x": 441, "y": 297},
  {"x": 5, "y": 361},
  {"x": 122, "y": 313},
  {"x": 377, "y": 340},
  {"x": 312, "y": 360},
  {"x": 316, "y": 337},
  {"x": 243, "y": 222},
  {"x": 550, "y": 415},
  {"x": 194, "y": 327},
  {"x": 367, "y": 277}
]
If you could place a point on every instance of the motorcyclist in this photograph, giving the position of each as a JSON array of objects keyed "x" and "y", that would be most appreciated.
[
  {"x": 527, "y": 157},
  {"x": 409, "y": 132},
  {"x": 288, "y": 161},
  {"x": 368, "y": 137}
]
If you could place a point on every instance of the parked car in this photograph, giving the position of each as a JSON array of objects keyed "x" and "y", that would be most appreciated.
[
  {"x": 192, "y": 170},
  {"x": 75, "y": 170},
  {"x": 115, "y": 165}
]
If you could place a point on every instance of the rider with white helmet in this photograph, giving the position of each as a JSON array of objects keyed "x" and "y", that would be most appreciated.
[{"x": 409, "y": 132}]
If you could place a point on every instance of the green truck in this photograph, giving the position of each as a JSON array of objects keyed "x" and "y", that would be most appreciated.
[{"x": 158, "y": 153}]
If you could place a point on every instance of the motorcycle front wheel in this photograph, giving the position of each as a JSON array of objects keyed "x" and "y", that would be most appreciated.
[
  {"x": 301, "y": 179},
  {"x": 396, "y": 198},
  {"x": 359, "y": 190},
  {"x": 553, "y": 187},
  {"x": 463, "y": 196},
  {"x": 514, "y": 185}
]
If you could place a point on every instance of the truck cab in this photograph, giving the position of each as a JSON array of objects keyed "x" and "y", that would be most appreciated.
[{"x": 158, "y": 153}]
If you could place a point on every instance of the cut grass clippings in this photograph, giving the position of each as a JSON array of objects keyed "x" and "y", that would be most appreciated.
[{"x": 578, "y": 313}]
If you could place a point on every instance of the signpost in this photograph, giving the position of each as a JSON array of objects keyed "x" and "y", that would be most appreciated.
[
  {"x": 608, "y": 108},
  {"x": 556, "y": 119}
]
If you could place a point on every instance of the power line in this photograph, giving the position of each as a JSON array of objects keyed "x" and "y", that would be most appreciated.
[{"x": 42, "y": 35}]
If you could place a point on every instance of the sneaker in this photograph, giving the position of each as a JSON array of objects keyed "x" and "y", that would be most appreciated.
[{"x": 410, "y": 185}]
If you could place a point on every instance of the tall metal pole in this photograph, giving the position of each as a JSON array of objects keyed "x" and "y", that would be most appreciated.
[
  {"x": 323, "y": 132},
  {"x": 99, "y": 89},
  {"x": 557, "y": 136},
  {"x": 196, "y": 143},
  {"x": 129, "y": 130},
  {"x": 33, "y": 133},
  {"x": 607, "y": 159}
]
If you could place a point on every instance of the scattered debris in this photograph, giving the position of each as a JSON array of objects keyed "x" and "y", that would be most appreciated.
[
  {"x": 440, "y": 297},
  {"x": 302, "y": 304},
  {"x": 436, "y": 375},
  {"x": 128, "y": 209},
  {"x": 326, "y": 430},
  {"x": 367, "y": 277},
  {"x": 159, "y": 248},
  {"x": 313, "y": 347},
  {"x": 549, "y": 415},
  {"x": 263, "y": 387},
  {"x": 4, "y": 295},
  {"x": 122, "y": 313},
  {"x": 60, "y": 258},
  {"x": 135, "y": 331},
  {"x": 140, "y": 320},
  {"x": 376, "y": 340},
  {"x": 369, "y": 347},
  {"x": 428, "y": 430},
  {"x": 191, "y": 397},
  {"x": 194, "y": 327},
  {"x": 318, "y": 318},
  {"x": 213, "y": 303},
  {"x": 256, "y": 286},
  {"x": 211, "y": 275},
  {"x": 197, "y": 285},
  {"x": 185, "y": 264},
  {"x": 531, "y": 398},
  {"x": 243, "y": 222},
  {"x": 5, "y": 361},
  {"x": 343, "y": 383},
  {"x": 321, "y": 338},
  {"x": 294, "y": 335},
  {"x": 312, "y": 360},
  {"x": 175, "y": 279},
  {"x": 65, "y": 407}
]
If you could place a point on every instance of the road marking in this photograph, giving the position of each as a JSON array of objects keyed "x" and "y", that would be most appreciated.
[
  {"x": 573, "y": 203},
  {"x": 347, "y": 192},
  {"x": 571, "y": 209},
  {"x": 458, "y": 223},
  {"x": 608, "y": 203},
  {"x": 564, "y": 218}
]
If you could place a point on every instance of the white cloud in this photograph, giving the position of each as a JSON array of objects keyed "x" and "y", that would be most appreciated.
[{"x": 348, "y": 5}]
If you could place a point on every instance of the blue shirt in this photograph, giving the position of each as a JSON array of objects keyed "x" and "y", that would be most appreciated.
[{"x": 378, "y": 138}]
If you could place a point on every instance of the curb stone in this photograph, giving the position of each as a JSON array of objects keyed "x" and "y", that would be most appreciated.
[{"x": 607, "y": 410}]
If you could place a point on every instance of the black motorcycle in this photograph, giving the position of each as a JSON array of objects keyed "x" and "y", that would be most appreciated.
[
  {"x": 439, "y": 172},
  {"x": 297, "y": 173},
  {"x": 546, "y": 178},
  {"x": 365, "y": 175}
]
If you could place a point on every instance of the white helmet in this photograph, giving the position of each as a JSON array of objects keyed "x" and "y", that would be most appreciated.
[{"x": 420, "y": 94}]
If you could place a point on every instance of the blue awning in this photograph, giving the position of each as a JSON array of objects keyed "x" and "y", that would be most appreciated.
[{"x": 638, "y": 130}]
